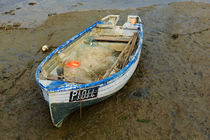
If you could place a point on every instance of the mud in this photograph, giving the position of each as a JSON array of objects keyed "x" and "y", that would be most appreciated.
[{"x": 166, "y": 98}]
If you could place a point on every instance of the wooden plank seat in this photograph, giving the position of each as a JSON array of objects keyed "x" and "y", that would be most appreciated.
[{"x": 111, "y": 39}]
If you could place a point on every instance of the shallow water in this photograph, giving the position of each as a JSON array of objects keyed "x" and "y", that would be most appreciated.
[
  {"x": 166, "y": 98},
  {"x": 33, "y": 13}
]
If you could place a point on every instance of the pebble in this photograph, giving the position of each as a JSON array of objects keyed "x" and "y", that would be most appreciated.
[
  {"x": 16, "y": 24},
  {"x": 52, "y": 14},
  {"x": 31, "y": 3}
]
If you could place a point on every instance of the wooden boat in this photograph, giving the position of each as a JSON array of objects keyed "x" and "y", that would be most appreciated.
[{"x": 65, "y": 94}]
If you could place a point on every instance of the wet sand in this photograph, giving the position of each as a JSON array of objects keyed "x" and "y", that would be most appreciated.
[{"x": 166, "y": 98}]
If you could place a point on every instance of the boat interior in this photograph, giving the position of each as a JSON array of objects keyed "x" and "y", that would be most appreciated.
[{"x": 97, "y": 54}]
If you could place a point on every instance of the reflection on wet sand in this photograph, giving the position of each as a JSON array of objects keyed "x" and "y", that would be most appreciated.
[{"x": 166, "y": 98}]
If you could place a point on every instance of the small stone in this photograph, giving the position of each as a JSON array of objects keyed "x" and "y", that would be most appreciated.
[
  {"x": 50, "y": 14},
  {"x": 31, "y": 3},
  {"x": 175, "y": 36},
  {"x": 80, "y": 3},
  {"x": 16, "y": 24},
  {"x": 74, "y": 5},
  {"x": 12, "y": 13},
  {"x": 5, "y": 13}
]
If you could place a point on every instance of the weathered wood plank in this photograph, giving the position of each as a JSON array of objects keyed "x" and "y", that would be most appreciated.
[
  {"x": 130, "y": 49},
  {"x": 111, "y": 39},
  {"x": 118, "y": 60},
  {"x": 130, "y": 44}
]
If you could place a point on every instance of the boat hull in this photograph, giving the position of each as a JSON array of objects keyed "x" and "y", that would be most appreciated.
[{"x": 59, "y": 93}]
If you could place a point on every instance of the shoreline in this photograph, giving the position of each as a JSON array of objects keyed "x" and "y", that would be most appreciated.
[{"x": 23, "y": 20}]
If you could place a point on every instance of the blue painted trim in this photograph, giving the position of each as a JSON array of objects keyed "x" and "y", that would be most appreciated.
[{"x": 64, "y": 86}]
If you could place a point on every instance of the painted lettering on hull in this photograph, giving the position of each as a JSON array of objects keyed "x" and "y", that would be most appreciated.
[{"x": 76, "y": 95}]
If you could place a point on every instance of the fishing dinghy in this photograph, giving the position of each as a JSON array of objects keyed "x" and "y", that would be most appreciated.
[{"x": 91, "y": 66}]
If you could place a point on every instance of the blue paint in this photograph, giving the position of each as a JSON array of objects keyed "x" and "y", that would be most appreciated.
[{"x": 57, "y": 86}]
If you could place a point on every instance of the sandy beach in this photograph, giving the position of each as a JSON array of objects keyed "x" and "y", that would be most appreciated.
[{"x": 168, "y": 97}]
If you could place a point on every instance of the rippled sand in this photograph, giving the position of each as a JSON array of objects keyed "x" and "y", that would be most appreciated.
[{"x": 166, "y": 98}]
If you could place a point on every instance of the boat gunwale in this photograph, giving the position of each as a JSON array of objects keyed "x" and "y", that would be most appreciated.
[{"x": 66, "y": 86}]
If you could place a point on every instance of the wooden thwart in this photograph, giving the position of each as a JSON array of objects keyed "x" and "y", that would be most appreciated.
[{"x": 111, "y": 39}]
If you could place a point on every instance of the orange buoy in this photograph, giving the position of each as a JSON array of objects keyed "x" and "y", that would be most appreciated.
[
  {"x": 73, "y": 64},
  {"x": 133, "y": 20}
]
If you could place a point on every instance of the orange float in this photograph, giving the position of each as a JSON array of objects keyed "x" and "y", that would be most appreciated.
[
  {"x": 73, "y": 64},
  {"x": 133, "y": 20}
]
